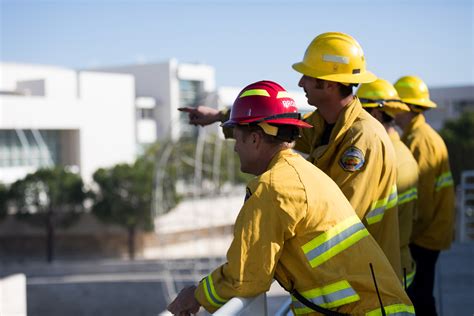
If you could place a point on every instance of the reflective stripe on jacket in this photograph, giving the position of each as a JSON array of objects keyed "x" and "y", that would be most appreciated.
[
  {"x": 371, "y": 190},
  {"x": 434, "y": 225},
  {"x": 407, "y": 183},
  {"x": 296, "y": 226}
]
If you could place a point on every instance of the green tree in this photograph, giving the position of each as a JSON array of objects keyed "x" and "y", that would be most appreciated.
[
  {"x": 459, "y": 138},
  {"x": 49, "y": 198},
  {"x": 124, "y": 197}
]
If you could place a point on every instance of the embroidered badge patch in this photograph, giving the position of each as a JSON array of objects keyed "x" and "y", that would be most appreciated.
[{"x": 352, "y": 159}]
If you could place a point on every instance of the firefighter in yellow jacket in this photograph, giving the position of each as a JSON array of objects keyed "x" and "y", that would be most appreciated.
[
  {"x": 346, "y": 142},
  {"x": 381, "y": 100},
  {"x": 295, "y": 226},
  {"x": 433, "y": 228}
]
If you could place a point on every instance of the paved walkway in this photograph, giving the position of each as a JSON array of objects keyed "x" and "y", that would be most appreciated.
[{"x": 454, "y": 288}]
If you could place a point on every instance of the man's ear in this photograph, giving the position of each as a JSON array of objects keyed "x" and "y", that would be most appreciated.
[{"x": 257, "y": 137}]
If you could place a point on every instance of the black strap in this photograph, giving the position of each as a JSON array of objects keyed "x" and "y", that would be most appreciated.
[
  {"x": 379, "y": 101},
  {"x": 293, "y": 115},
  {"x": 315, "y": 307}
]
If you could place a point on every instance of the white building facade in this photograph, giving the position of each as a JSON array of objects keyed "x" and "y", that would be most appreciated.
[
  {"x": 91, "y": 119},
  {"x": 56, "y": 116},
  {"x": 162, "y": 88}
]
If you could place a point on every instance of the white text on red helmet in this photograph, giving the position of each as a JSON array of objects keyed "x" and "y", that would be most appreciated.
[{"x": 288, "y": 103}]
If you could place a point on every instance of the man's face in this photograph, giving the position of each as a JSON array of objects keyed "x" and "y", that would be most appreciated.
[
  {"x": 402, "y": 118},
  {"x": 375, "y": 112},
  {"x": 245, "y": 148},
  {"x": 313, "y": 88}
]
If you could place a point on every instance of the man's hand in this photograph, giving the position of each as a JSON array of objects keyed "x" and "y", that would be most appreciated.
[
  {"x": 185, "y": 303},
  {"x": 202, "y": 115}
]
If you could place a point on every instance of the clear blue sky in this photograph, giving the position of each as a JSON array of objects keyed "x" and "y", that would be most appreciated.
[{"x": 244, "y": 40}]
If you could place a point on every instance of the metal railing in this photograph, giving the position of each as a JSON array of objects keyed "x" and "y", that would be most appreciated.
[
  {"x": 466, "y": 207},
  {"x": 13, "y": 295},
  {"x": 239, "y": 306},
  {"x": 252, "y": 306}
]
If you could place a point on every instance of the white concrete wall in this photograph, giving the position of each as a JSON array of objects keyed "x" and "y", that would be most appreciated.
[
  {"x": 146, "y": 131},
  {"x": 161, "y": 81},
  {"x": 107, "y": 120},
  {"x": 59, "y": 82},
  {"x": 100, "y": 107},
  {"x": 13, "y": 295}
]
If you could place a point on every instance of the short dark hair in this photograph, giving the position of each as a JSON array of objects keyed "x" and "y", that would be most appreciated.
[
  {"x": 386, "y": 118},
  {"x": 285, "y": 134},
  {"x": 346, "y": 91}
]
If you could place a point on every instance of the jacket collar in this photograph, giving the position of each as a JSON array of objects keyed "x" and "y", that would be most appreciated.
[
  {"x": 280, "y": 155},
  {"x": 347, "y": 116},
  {"x": 415, "y": 123},
  {"x": 394, "y": 136}
]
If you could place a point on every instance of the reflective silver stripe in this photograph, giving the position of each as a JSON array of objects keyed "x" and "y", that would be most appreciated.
[
  {"x": 377, "y": 211},
  {"x": 336, "y": 59},
  {"x": 392, "y": 199},
  {"x": 407, "y": 196},
  {"x": 375, "y": 215},
  {"x": 334, "y": 241},
  {"x": 324, "y": 300},
  {"x": 328, "y": 296},
  {"x": 394, "y": 310},
  {"x": 410, "y": 277},
  {"x": 444, "y": 180},
  {"x": 210, "y": 293}
]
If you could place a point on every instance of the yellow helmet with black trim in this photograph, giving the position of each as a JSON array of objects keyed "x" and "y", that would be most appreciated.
[
  {"x": 381, "y": 94},
  {"x": 335, "y": 57},
  {"x": 412, "y": 90}
]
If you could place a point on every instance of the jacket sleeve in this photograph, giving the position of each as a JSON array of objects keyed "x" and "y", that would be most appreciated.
[
  {"x": 435, "y": 224},
  {"x": 259, "y": 234},
  {"x": 228, "y": 134},
  {"x": 377, "y": 170},
  {"x": 372, "y": 192}
]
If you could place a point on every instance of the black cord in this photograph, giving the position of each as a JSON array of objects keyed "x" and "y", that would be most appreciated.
[
  {"x": 377, "y": 289},
  {"x": 405, "y": 278},
  {"x": 315, "y": 307}
]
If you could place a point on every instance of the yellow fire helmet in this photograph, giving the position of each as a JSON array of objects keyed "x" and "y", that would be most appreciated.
[
  {"x": 381, "y": 94},
  {"x": 412, "y": 90},
  {"x": 335, "y": 57}
]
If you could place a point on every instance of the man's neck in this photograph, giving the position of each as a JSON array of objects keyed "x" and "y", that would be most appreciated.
[
  {"x": 405, "y": 119},
  {"x": 333, "y": 108},
  {"x": 389, "y": 128},
  {"x": 266, "y": 158}
]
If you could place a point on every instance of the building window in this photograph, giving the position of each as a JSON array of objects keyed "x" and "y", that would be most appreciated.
[
  {"x": 190, "y": 95},
  {"x": 190, "y": 91},
  {"x": 146, "y": 114},
  {"x": 37, "y": 148}
]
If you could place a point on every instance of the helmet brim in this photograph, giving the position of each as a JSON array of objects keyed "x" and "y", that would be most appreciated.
[
  {"x": 427, "y": 103},
  {"x": 365, "y": 77},
  {"x": 282, "y": 121},
  {"x": 290, "y": 121}
]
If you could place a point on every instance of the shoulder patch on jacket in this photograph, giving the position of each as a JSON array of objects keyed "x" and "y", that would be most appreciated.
[{"x": 352, "y": 159}]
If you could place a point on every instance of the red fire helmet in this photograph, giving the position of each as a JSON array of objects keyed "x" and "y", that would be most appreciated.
[{"x": 264, "y": 101}]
